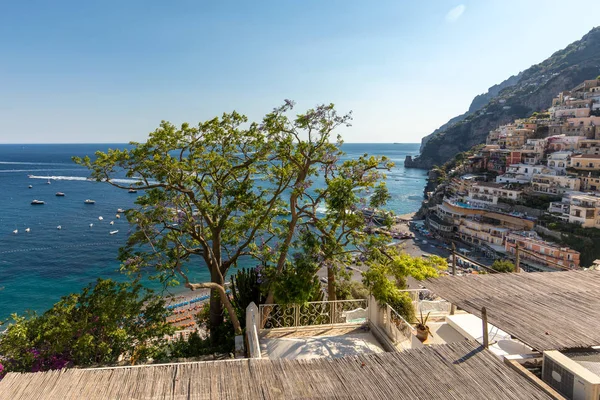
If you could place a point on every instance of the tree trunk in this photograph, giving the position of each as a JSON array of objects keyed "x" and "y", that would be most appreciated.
[
  {"x": 331, "y": 296},
  {"x": 218, "y": 301},
  {"x": 216, "y": 304},
  {"x": 215, "y": 311}
]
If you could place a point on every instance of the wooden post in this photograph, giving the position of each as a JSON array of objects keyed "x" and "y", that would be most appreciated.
[
  {"x": 486, "y": 341},
  {"x": 517, "y": 258},
  {"x": 452, "y": 306}
]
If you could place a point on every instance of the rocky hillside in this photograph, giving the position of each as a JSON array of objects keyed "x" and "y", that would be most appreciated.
[{"x": 517, "y": 97}]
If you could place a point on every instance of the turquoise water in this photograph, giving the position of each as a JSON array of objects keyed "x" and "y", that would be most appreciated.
[{"x": 40, "y": 266}]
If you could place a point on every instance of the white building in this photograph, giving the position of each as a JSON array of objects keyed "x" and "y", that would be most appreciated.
[
  {"x": 523, "y": 173},
  {"x": 516, "y": 173},
  {"x": 559, "y": 160},
  {"x": 554, "y": 184},
  {"x": 488, "y": 194}
]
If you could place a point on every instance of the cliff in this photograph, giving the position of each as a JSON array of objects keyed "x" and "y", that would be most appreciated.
[{"x": 516, "y": 97}]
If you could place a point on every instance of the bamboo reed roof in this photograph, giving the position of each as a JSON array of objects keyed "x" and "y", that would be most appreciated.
[
  {"x": 461, "y": 370},
  {"x": 546, "y": 310}
]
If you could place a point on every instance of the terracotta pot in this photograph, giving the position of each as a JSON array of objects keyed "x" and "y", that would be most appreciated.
[{"x": 422, "y": 334}]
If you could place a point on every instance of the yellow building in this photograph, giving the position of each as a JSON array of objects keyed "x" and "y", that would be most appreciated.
[{"x": 586, "y": 162}]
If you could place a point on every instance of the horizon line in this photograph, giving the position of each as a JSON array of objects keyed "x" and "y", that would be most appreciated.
[{"x": 57, "y": 143}]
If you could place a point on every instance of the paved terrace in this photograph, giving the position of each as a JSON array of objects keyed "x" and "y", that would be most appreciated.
[
  {"x": 318, "y": 342},
  {"x": 459, "y": 371}
]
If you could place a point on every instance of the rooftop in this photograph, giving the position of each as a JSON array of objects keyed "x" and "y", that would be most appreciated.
[
  {"x": 460, "y": 370},
  {"x": 545, "y": 310},
  {"x": 594, "y": 156}
]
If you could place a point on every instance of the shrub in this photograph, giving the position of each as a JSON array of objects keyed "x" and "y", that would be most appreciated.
[
  {"x": 503, "y": 266},
  {"x": 95, "y": 327},
  {"x": 348, "y": 290}
]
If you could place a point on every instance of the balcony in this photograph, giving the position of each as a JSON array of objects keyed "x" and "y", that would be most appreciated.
[
  {"x": 342, "y": 328},
  {"x": 311, "y": 330},
  {"x": 583, "y": 204}
]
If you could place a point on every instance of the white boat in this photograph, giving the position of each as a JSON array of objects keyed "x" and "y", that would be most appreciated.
[
  {"x": 59, "y": 227},
  {"x": 30, "y": 186},
  {"x": 112, "y": 222},
  {"x": 117, "y": 216},
  {"x": 60, "y": 194},
  {"x": 47, "y": 183},
  {"x": 37, "y": 202},
  {"x": 132, "y": 191},
  {"x": 16, "y": 231},
  {"x": 91, "y": 225},
  {"x": 88, "y": 201},
  {"x": 27, "y": 229},
  {"x": 120, "y": 210},
  {"x": 100, "y": 218},
  {"x": 113, "y": 232}
]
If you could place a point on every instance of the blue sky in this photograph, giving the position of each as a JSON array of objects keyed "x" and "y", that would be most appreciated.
[{"x": 109, "y": 71}]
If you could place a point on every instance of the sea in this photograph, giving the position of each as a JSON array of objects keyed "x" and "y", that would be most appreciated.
[{"x": 69, "y": 244}]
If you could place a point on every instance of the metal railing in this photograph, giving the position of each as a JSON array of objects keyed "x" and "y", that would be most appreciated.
[
  {"x": 425, "y": 302},
  {"x": 400, "y": 323},
  {"x": 274, "y": 316}
]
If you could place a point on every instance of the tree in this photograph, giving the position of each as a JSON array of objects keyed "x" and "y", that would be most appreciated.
[
  {"x": 224, "y": 190},
  {"x": 326, "y": 236},
  {"x": 390, "y": 263},
  {"x": 503, "y": 266},
  {"x": 95, "y": 327}
]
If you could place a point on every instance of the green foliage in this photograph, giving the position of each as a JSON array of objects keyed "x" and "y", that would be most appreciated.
[
  {"x": 539, "y": 202},
  {"x": 380, "y": 196},
  {"x": 583, "y": 240},
  {"x": 503, "y": 266},
  {"x": 221, "y": 337},
  {"x": 196, "y": 346},
  {"x": 94, "y": 327},
  {"x": 245, "y": 289},
  {"x": 389, "y": 263},
  {"x": 297, "y": 283},
  {"x": 349, "y": 290}
]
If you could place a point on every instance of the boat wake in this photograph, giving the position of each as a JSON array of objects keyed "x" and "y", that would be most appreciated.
[
  {"x": 59, "y": 247},
  {"x": 82, "y": 178},
  {"x": 37, "y": 170},
  {"x": 32, "y": 163},
  {"x": 60, "y": 178}
]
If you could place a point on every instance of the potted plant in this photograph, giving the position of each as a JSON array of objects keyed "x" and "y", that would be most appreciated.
[{"x": 423, "y": 331}]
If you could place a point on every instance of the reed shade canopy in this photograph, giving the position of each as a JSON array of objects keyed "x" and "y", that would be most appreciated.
[
  {"x": 461, "y": 370},
  {"x": 545, "y": 310}
]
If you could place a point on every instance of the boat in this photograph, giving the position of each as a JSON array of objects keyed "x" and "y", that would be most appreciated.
[
  {"x": 59, "y": 227},
  {"x": 16, "y": 231},
  {"x": 112, "y": 222},
  {"x": 47, "y": 183},
  {"x": 117, "y": 216},
  {"x": 100, "y": 218},
  {"x": 60, "y": 194},
  {"x": 30, "y": 186},
  {"x": 120, "y": 210},
  {"x": 91, "y": 225},
  {"x": 88, "y": 201},
  {"x": 27, "y": 229},
  {"x": 113, "y": 232},
  {"x": 132, "y": 191},
  {"x": 38, "y": 202}
]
